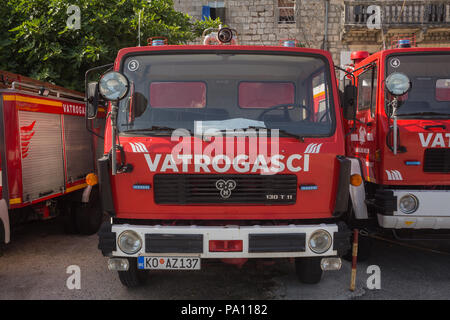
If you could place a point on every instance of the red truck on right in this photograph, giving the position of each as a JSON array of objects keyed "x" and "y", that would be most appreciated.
[{"x": 398, "y": 131}]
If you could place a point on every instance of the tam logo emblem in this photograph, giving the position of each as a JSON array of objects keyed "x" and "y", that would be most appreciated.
[{"x": 225, "y": 187}]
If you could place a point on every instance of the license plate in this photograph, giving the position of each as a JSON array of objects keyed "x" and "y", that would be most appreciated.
[{"x": 169, "y": 263}]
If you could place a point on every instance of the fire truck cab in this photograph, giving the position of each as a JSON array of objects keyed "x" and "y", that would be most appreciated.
[
  {"x": 219, "y": 152},
  {"x": 399, "y": 133},
  {"x": 45, "y": 155}
]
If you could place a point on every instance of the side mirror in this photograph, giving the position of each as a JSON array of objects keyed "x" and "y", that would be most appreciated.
[
  {"x": 349, "y": 102},
  {"x": 92, "y": 100}
]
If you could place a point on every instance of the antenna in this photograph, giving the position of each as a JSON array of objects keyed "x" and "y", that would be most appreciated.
[{"x": 139, "y": 29}]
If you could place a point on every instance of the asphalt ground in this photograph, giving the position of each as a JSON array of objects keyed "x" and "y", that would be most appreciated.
[{"x": 34, "y": 266}]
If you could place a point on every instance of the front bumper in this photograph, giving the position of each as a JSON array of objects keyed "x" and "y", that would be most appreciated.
[
  {"x": 433, "y": 211},
  {"x": 257, "y": 241}
]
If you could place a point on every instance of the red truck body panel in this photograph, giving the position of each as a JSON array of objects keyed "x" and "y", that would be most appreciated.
[
  {"x": 321, "y": 168},
  {"x": 368, "y": 143},
  {"x": 29, "y": 140}
]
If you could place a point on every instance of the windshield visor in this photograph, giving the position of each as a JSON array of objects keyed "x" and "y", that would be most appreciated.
[{"x": 429, "y": 96}]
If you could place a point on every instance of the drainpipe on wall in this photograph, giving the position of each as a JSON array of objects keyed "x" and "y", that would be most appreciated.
[{"x": 325, "y": 34}]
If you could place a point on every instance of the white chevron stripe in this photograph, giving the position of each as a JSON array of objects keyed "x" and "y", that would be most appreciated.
[
  {"x": 394, "y": 175},
  {"x": 139, "y": 147},
  {"x": 389, "y": 175},
  {"x": 313, "y": 148},
  {"x": 398, "y": 174},
  {"x": 133, "y": 147},
  {"x": 144, "y": 149},
  {"x": 318, "y": 148},
  {"x": 308, "y": 148}
]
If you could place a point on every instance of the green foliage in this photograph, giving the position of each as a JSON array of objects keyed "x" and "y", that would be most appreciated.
[{"x": 35, "y": 40}]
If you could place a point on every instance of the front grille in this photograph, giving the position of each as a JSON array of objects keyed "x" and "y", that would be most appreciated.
[
  {"x": 233, "y": 189},
  {"x": 437, "y": 160}
]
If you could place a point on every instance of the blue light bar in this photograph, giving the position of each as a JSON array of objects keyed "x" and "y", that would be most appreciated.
[
  {"x": 404, "y": 43},
  {"x": 289, "y": 43},
  {"x": 412, "y": 163},
  {"x": 141, "y": 186},
  {"x": 309, "y": 187},
  {"x": 157, "y": 42}
]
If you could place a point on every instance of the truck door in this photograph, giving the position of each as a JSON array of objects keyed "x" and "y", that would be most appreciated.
[{"x": 363, "y": 142}]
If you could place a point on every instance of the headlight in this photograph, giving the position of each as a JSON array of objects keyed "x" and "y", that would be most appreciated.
[
  {"x": 320, "y": 241},
  {"x": 113, "y": 86},
  {"x": 129, "y": 242},
  {"x": 408, "y": 203}
]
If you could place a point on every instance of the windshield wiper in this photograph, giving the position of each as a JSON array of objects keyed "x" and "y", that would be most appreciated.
[
  {"x": 153, "y": 129},
  {"x": 299, "y": 137}
]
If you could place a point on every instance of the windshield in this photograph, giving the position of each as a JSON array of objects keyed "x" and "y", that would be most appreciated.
[
  {"x": 227, "y": 91},
  {"x": 429, "y": 96}
]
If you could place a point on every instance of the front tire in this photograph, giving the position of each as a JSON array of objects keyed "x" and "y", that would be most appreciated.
[
  {"x": 89, "y": 215},
  {"x": 133, "y": 277},
  {"x": 68, "y": 212},
  {"x": 308, "y": 269},
  {"x": 88, "y": 218},
  {"x": 2, "y": 238}
]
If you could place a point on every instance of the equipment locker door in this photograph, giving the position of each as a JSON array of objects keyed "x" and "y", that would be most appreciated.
[
  {"x": 78, "y": 147},
  {"x": 42, "y": 154}
]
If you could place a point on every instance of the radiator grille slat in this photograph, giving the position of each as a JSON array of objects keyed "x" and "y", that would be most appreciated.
[
  {"x": 201, "y": 189},
  {"x": 437, "y": 160}
]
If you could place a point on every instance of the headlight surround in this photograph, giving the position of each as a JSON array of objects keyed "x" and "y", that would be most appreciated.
[
  {"x": 113, "y": 86},
  {"x": 320, "y": 241},
  {"x": 129, "y": 242},
  {"x": 398, "y": 83},
  {"x": 408, "y": 203}
]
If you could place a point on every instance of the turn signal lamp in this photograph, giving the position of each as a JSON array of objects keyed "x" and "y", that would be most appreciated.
[
  {"x": 378, "y": 155},
  {"x": 91, "y": 179},
  {"x": 355, "y": 180}
]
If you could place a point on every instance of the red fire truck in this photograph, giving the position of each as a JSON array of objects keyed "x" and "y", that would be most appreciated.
[
  {"x": 399, "y": 132},
  {"x": 217, "y": 152},
  {"x": 46, "y": 153}
]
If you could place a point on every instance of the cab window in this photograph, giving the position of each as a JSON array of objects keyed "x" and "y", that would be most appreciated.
[{"x": 367, "y": 90}]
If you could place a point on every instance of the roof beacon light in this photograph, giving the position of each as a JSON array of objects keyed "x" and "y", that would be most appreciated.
[
  {"x": 358, "y": 56},
  {"x": 404, "y": 43},
  {"x": 292, "y": 43},
  {"x": 157, "y": 41}
]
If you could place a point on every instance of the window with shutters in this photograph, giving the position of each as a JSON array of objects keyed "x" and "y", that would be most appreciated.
[{"x": 286, "y": 11}]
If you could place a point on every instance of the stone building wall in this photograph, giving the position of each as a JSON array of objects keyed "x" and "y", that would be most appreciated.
[{"x": 257, "y": 24}]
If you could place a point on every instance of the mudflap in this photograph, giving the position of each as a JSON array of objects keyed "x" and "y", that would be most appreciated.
[{"x": 88, "y": 213}]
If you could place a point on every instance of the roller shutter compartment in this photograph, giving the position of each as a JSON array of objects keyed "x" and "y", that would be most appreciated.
[
  {"x": 78, "y": 143},
  {"x": 42, "y": 154}
]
